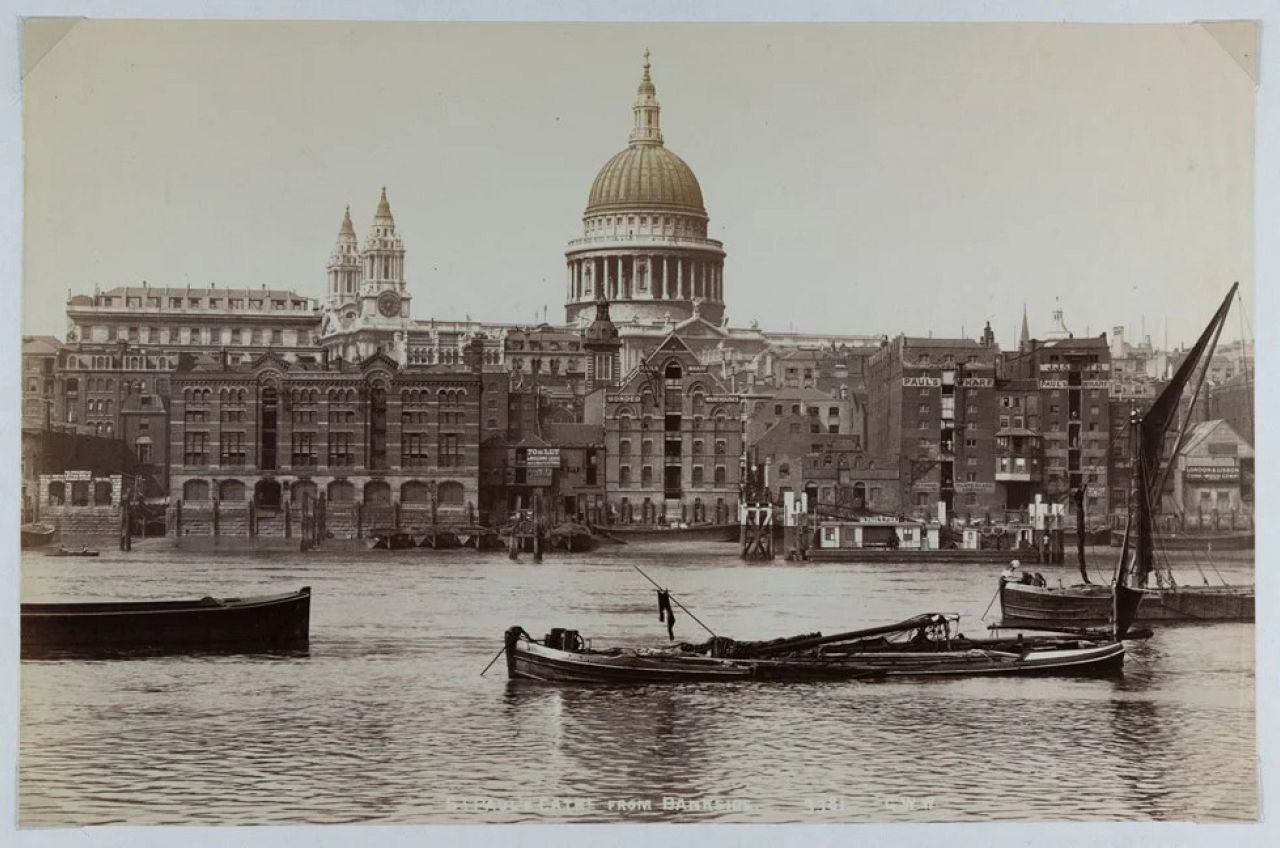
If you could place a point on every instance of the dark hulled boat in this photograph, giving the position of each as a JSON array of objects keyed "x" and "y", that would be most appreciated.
[
  {"x": 924, "y": 646},
  {"x": 1090, "y": 605},
  {"x": 1129, "y": 598},
  {"x": 272, "y": 622}
]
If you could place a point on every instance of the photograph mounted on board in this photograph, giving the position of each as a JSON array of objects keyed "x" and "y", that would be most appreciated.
[{"x": 683, "y": 423}]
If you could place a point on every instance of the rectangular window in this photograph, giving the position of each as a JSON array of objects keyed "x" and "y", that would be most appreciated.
[
  {"x": 277, "y": 337},
  {"x": 232, "y": 449},
  {"x": 646, "y": 475},
  {"x": 413, "y": 450},
  {"x": 340, "y": 453},
  {"x": 195, "y": 449},
  {"x": 450, "y": 451},
  {"x": 304, "y": 449},
  {"x": 196, "y": 416},
  {"x": 304, "y": 415},
  {"x": 720, "y": 475},
  {"x": 624, "y": 475}
]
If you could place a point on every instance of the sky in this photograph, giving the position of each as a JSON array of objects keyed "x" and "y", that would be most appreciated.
[{"x": 864, "y": 178}]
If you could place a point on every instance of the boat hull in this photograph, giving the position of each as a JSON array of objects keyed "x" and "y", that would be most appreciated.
[
  {"x": 531, "y": 661},
  {"x": 527, "y": 660},
  {"x": 1101, "y": 659},
  {"x": 276, "y": 622},
  {"x": 36, "y": 535},
  {"x": 1083, "y": 606}
]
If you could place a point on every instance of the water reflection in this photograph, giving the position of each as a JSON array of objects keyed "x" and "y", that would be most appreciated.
[{"x": 386, "y": 718}]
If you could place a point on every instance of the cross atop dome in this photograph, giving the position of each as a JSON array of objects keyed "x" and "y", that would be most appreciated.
[{"x": 647, "y": 129}]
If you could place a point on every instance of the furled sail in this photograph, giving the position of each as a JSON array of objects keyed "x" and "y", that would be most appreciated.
[{"x": 1151, "y": 430}]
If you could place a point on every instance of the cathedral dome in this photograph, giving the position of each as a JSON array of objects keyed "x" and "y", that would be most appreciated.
[{"x": 646, "y": 175}]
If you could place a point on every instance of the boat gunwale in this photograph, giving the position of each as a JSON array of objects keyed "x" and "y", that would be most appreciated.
[{"x": 105, "y": 608}]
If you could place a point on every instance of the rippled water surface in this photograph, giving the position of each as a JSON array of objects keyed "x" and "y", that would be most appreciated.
[{"x": 388, "y": 719}]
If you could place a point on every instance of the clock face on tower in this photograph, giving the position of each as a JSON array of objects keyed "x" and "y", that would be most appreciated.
[{"x": 389, "y": 304}]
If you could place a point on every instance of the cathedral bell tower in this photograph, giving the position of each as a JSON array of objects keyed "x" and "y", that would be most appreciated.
[
  {"x": 344, "y": 267},
  {"x": 384, "y": 298}
]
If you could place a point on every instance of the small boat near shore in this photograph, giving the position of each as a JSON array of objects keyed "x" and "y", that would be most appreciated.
[
  {"x": 37, "y": 534},
  {"x": 1093, "y": 604},
  {"x": 72, "y": 552},
  {"x": 927, "y": 645},
  {"x": 1129, "y": 598},
  {"x": 267, "y": 623}
]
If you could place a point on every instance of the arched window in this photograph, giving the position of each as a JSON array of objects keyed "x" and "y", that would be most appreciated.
[
  {"x": 450, "y": 493},
  {"x": 231, "y": 491},
  {"x": 303, "y": 491},
  {"x": 195, "y": 490},
  {"x": 341, "y": 491},
  {"x": 377, "y": 492},
  {"x": 415, "y": 492},
  {"x": 784, "y": 471},
  {"x": 266, "y": 493},
  {"x": 673, "y": 371}
]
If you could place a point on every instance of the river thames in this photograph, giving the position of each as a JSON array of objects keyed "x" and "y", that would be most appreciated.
[{"x": 387, "y": 718}]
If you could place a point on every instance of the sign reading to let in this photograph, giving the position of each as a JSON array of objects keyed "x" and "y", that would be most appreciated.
[{"x": 542, "y": 458}]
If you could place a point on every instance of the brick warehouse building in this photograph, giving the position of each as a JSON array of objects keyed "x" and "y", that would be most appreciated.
[
  {"x": 932, "y": 402},
  {"x": 673, "y": 440},
  {"x": 1073, "y": 379},
  {"x": 382, "y": 444}
]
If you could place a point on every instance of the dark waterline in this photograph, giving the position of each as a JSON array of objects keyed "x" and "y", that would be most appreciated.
[{"x": 387, "y": 719}]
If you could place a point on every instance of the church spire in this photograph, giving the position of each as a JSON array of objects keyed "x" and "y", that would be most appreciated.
[
  {"x": 344, "y": 264},
  {"x": 382, "y": 218},
  {"x": 646, "y": 109},
  {"x": 1026, "y": 332}
]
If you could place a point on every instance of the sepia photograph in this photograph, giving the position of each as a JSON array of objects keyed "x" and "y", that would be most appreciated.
[{"x": 631, "y": 422}]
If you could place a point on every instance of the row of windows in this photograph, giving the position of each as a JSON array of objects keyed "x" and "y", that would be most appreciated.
[
  {"x": 303, "y": 450},
  {"x": 256, "y": 336},
  {"x": 646, "y": 447},
  {"x": 646, "y": 475},
  {"x": 658, "y": 225},
  {"x": 448, "y": 493}
]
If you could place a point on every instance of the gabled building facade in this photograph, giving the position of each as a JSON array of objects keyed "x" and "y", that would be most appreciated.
[{"x": 673, "y": 440}]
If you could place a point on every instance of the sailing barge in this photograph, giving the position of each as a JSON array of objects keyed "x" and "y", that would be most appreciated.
[
  {"x": 924, "y": 646},
  {"x": 268, "y": 623},
  {"x": 1129, "y": 598}
]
